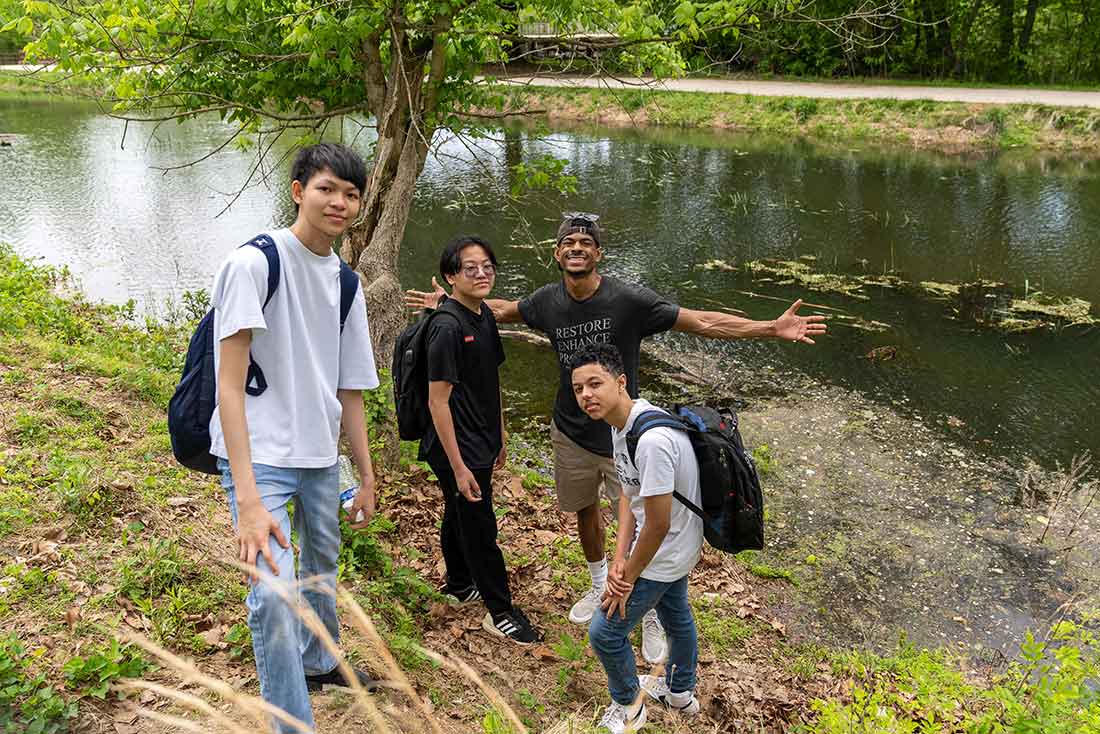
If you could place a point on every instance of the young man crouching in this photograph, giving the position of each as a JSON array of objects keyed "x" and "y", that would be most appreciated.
[{"x": 659, "y": 542}]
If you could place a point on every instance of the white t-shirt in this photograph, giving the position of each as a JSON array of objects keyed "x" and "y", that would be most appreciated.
[
  {"x": 665, "y": 462},
  {"x": 298, "y": 344}
]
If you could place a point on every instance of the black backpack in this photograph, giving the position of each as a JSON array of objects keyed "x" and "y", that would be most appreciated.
[
  {"x": 410, "y": 378},
  {"x": 192, "y": 405},
  {"x": 733, "y": 504}
]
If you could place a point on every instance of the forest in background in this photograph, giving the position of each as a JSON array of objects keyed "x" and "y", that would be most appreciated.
[
  {"x": 1049, "y": 42},
  {"x": 1042, "y": 42}
]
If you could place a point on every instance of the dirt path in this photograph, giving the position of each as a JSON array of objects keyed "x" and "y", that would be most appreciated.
[{"x": 828, "y": 90}]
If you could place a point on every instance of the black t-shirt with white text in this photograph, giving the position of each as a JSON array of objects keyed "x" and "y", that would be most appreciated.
[
  {"x": 466, "y": 353},
  {"x": 617, "y": 313}
]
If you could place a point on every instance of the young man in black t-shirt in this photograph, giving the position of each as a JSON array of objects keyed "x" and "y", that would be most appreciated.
[
  {"x": 466, "y": 439},
  {"x": 584, "y": 308}
]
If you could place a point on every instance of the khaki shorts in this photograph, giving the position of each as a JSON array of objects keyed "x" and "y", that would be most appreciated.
[{"x": 578, "y": 474}]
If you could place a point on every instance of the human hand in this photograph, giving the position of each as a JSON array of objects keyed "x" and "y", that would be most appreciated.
[
  {"x": 612, "y": 601},
  {"x": 255, "y": 525},
  {"x": 467, "y": 485},
  {"x": 792, "y": 327},
  {"x": 418, "y": 300},
  {"x": 616, "y": 578},
  {"x": 365, "y": 501},
  {"x": 502, "y": 457}
]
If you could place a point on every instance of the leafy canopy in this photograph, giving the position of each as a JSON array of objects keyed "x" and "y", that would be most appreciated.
[{"x": 298, "y": 62}]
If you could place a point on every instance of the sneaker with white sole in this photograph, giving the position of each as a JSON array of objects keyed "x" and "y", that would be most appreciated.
[
  {"x": 619, "y": 719},
  {"x": 586, "y": 606},
  {"x": 654, "y": 644},
  {"x": 515, "y": 626},
  {"x": 459, "y": 597},
  {"x": 656, "y": 687}
]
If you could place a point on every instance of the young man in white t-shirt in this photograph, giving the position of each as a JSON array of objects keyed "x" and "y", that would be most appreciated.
[
  {"x": 658, "y": 544},
  {"x": 281, "y": 446}
]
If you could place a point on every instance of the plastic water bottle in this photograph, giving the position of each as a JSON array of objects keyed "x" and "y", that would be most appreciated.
[{"x": 349, "y": 486}]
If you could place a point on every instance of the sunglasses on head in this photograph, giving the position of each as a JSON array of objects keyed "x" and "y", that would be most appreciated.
[{"x": 580, "y": 217}]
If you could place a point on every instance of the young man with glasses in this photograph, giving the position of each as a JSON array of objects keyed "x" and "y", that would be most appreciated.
[
  {"x": 466, "y": 439},
  {"x": 586, "y": 308}
]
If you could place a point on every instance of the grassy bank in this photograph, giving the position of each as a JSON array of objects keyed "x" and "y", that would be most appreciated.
[
  {"x": 47, "y": 82},
  {"x": 948, "y": 126},
  {"x": 102, "y": 534},
  {"x": 952, "y": 127}
]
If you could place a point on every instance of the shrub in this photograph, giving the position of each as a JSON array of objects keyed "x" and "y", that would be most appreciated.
[{"x": 1050, "y": 690}]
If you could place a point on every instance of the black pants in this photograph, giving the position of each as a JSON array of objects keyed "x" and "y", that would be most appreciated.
[{"x": 469, "y": 540}]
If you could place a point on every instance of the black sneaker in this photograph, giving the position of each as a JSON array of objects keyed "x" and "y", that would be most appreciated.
[
  {"x": 515, "y": 626},
  {"x": 458, "y": 597},
  {"x": 335, "y": 677}
]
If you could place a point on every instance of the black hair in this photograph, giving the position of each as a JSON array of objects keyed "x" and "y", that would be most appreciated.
[
  {"x": 450, "y": 260},
  {"x": 605, "y": 355},
  {"x": 344, "y": 162}
]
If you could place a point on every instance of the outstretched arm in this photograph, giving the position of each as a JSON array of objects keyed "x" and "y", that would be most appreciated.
[
  {"x": 505, "y": 312},
  {"x": 716, "y": 325}
]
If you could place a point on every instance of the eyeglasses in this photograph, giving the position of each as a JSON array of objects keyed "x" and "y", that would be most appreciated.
[
  {"x": 585, "y": 216},
  {"x": 472, "y": 271}
]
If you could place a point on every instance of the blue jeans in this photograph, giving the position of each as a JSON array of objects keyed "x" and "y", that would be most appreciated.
[
  {"x": 611, "y": 638},
  {"x": 286, "y": 651}
]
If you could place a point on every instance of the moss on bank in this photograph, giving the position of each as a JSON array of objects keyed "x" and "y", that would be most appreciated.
[{"x": 947, "y": 126}]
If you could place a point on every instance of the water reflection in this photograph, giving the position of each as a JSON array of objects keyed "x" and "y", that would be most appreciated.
[{"x": 670, "y": 200}]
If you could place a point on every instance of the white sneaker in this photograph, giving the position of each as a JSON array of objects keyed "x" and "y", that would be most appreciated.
[
  {"x": 582, "y": 611},
  {"x": 619, "y": 719},
  {"x": 656, "y": 687},
  {"x": 654, "y": 645}
]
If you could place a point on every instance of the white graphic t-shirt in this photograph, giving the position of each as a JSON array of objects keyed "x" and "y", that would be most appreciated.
[
  {"x": 298, "y": 344},
  {"x": 665, "y": 462}
]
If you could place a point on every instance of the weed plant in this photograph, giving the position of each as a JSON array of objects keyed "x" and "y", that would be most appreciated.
[
  {"x": 1051, "y": 689},
  {"x": 27, "y": 704},
  {"x": 93, "y": 673}
]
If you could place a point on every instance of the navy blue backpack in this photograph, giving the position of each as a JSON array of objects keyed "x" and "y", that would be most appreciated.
[{"x": 192, "y": 405}]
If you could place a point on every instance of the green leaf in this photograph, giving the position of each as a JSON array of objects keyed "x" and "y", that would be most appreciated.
[
  {"x": 231, "y": 6},
  {"x": 685, "y": 13},
  {"x": 26, "y": 26}
]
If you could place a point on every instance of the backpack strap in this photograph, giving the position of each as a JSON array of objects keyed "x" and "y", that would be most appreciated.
[
  {"x": 349, "y": 282},
  {"x": 647, "y": 420},
  {"x": 266, "y": 245},
  {"x": 659, "y": 419}
]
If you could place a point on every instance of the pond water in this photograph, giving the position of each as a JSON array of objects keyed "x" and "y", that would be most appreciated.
[{"x": 81, "y": 190}]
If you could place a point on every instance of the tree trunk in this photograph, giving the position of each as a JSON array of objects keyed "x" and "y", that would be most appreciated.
[
  {"x": 964, "y": 37},
  {"x": 373, "y": 247},
  {"x": 402, "y": 102},
  {"x": 1025, "y": 32},
  {"x": 1006, "y": 11}
]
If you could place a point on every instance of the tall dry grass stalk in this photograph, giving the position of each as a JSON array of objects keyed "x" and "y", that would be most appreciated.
[
  {"x": 250, "y": 713},
  {"x": 364, "y": 624},
  {"x": 453, "y": 663}
]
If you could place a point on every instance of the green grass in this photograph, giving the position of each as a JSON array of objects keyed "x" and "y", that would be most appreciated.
[
  {"x": 764, "y": 570},
  {"x": 1049, "y": 690},
  {"x": 27, "y": 703},
  {"x": 566, "y": 557},
  {"x": 719, "y": 627},
  {"x": 764, "y": 460},
  {"x": 174, "y": 591},
  {"x": 844, "y": 121}
]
